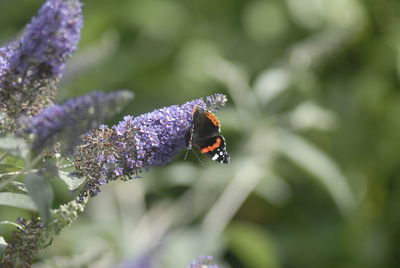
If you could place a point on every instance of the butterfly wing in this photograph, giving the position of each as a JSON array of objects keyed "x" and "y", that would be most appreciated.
[
  {"x": 205, "y": 123},
  {"x": 214, "y": 148}
]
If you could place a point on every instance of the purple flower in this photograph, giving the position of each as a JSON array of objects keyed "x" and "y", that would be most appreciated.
[
  {"x": 203, "y": 262},
  {"x": 102, "y": 181},
  {"x": 215, "y": 102},
  {"x": 49, "y": 39},
  {"x": 118, "y": 171},
  {"x": 65, "y": 123},
  {"x": 111, "y": 159},
  {"x": 151, "y": 139},
  {"x": 102, "y": 127},
  {"x": 31, "y": 66},
  {"x": 5, "y": 54}
]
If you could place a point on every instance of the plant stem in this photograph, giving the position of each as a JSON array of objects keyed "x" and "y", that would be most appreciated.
[
  {"x": 3, "y": 156},
  {"x": 21, "y": 172},
  {"x": 27, "y": 168}
]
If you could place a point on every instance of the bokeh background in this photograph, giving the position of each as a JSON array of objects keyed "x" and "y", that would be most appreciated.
[{"x": 312, "y": 126}]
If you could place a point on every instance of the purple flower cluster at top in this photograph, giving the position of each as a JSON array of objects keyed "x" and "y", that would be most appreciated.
[
  {"x": 49, "y": 39},
  {"x": 203, "y": 262},
  {"x": 66, "y": 122},
  {"x": 136, "y": 143},
  {"x": 31, "y": 66}
]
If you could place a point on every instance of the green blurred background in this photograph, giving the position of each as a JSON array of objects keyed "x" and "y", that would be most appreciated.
[{"x": 312, "y": 126}]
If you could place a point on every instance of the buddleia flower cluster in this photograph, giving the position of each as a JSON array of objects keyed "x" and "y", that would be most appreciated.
[
  {"x": 29, "y": 71},
  {"x": 32, "y": 235},
  {"x": 68, "y": 121},
  {"x": 136, "y": 143},
  {"x": 31, "y": 66},
  {"x": 25, "y": 243}
]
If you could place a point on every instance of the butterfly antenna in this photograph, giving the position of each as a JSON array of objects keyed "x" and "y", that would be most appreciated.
[
  {"x": 186, "y": 154},
  {"x": 198, "y": 158}
]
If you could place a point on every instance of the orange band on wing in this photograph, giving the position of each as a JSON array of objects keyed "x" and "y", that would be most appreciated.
[
  {"x": 212, "y": 147},
  {"x": 213, "y": 118}
]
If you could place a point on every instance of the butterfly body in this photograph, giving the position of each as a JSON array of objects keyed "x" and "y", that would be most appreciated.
[{"x": 205, "y": 134}]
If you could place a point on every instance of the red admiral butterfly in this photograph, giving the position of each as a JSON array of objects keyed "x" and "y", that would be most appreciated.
[{"x": 205, "y": 134}]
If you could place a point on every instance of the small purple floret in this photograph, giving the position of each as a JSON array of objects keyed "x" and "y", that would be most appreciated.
[{"x": 102, "y": 181}]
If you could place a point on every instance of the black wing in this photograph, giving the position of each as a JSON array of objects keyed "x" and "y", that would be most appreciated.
[
  {"x": 214, "y": 148},
  {"x": 205, "y": 123}
]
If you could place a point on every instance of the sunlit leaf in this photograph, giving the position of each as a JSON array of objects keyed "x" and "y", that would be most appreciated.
[
  {"x": 14, "y": 145},
  {"x": 273, "y": 189},
  {"x": 72, "y": 181},
  {"x": 3, "y": 244},
  {"x": 309, "y": 115},
  {"x": 271, "y": 83},
  {"x": 42, "y": 194},
  {"x": 17, "y": 200}
]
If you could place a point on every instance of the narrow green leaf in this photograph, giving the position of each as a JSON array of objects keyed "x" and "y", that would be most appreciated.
[
  {"x": 73, "y": 182},
  {"x": 321, "y": 166},
  {"x": 17, "y": 200},
  {"x": 14, "y": 145},
  {"x": 42, "y": 194}
]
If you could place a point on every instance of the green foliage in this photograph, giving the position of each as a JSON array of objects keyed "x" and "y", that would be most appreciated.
[
  {"x": 17, "y": 200},
  {"x": 253, "y": 246},
  {"x": 71, "y": 180},
  {"x": 13, "y": 145},
  {"x": 312, "y": 125},
  {"x": 41, "y": 193}
]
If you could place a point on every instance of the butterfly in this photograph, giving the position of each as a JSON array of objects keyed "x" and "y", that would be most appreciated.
[{"x": 205, "y": 134}]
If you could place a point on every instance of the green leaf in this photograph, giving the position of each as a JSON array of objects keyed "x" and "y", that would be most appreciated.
[
  {"x": 253, "y": 246},
  {"x": 5, "y": 166},
  {"x": 17, "y": 200},
  {"x": 321, "y": 166},
  {"x": 42, "y": 194},
  {"x": 11, "y": 163},
  {"x": 16, "y": 186},
  {"x": 14, "y": 145},
  {"x": 72, "y": 181}
]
